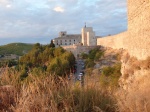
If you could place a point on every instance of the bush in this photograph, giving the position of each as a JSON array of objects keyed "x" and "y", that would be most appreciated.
[
  {"x": 89, "y": 63},
  {"x": 111, "y": 75},
  {"x": 84, "y": 55},
  {"x": 98, "y": 55}
]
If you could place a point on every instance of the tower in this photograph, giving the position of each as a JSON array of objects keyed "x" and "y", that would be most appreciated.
[{"x": 88, "y": 36}]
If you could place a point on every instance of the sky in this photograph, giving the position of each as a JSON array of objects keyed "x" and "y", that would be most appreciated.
[{"x": 39, "y": 21}]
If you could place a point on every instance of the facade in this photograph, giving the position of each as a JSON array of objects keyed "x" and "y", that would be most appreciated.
[
  {"x": 64, "y": 39},
  {"x": 86, "y": 38}
]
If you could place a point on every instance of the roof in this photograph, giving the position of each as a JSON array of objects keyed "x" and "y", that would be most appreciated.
[{"x": 70, "y": 36}]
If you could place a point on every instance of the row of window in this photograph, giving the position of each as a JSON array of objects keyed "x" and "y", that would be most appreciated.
[{"x": 65, "y": 41}]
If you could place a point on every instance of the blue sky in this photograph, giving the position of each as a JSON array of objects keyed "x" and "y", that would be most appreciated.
[{"x": 32, "y": 21}]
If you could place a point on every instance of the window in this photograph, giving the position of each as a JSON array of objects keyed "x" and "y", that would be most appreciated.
[
  {"x": 65, "y": 40},
  {"x": 65, "y": 43},
  {"x": 69, "y": 40},
  {"x": 74, "y": 40}
]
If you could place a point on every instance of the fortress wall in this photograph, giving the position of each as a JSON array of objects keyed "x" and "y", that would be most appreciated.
[
  {"x": 115, "y": 41},
  {"x": 78, "y": 49},
  {"x": 137, "y": 12},
  {"x": 139, "y": 28},
  {"x": 71, "y": 48},
  {"x": 137, "y": 39}
]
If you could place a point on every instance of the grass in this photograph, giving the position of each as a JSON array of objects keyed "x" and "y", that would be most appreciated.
[
  {"x": 134, "y": 94},
  {"x": 48, "y": 93}
]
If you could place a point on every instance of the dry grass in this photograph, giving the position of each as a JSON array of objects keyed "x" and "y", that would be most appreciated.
[
  {"x": 134, "y": 96},
  {"x": 7, "y": 98},
  {"x": 47, "y": 93}
]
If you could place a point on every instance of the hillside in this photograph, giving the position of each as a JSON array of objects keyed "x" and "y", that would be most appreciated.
[{"x": 15, "y": 48}]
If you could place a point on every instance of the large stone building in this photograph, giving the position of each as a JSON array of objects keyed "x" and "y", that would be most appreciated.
[
  {"x": 86, "y": 38},
  {"x": 65, "y": 39}
]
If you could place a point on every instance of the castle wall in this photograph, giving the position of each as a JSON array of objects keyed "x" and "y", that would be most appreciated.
[
  {"x": 137, "y": 39},
  {"x": 116, "y": 41},
  {"x": 77, "y": 49}
]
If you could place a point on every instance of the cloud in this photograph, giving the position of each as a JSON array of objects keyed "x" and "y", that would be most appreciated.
[
  {"x": 58, "y": 9},
  {"x": 5, "y": 3},
  {"x": 34, "y": 20},
  {"x": 8, "y": 6}
]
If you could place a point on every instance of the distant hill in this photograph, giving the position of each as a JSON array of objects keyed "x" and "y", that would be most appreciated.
[{"x": 15, "y": 48}]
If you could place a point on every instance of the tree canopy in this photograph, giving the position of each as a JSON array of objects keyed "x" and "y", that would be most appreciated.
[{"x": 53, "y": 60}]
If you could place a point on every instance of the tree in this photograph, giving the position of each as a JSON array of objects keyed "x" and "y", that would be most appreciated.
[
  {"x": 84, "y": 55},
  {"x": 52, "y": 44}
]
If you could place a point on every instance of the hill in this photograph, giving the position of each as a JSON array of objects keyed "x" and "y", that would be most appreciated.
[{"x": 15, "y": 48}]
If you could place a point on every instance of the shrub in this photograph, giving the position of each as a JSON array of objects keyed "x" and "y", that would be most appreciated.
[
  {"x": 84, "y": 55},
  {"x": 111, "y": 75},
  {"x": 89, "y": 63},
  {"x": 92, "y": 53},
  {"x": 98, "y": 55}
]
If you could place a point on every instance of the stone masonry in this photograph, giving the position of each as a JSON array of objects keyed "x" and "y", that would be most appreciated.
[{"x": 136, "y": 40}]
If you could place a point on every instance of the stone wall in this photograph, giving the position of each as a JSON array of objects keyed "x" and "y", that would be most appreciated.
[
  {"x": 115, "y": 41},
  {"x": 78, "y": 49},
  {"x": 137, "y": 38}
]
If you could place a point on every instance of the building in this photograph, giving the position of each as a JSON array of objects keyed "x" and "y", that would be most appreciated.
[
  {"x": 65, "y": 39},
  {"x": 86, "y": 38}
]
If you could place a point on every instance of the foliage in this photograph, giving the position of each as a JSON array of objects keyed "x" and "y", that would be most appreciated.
[
  {"x": 52, "y": 44},
  {"x": 89, "y": 63},
  {"x": 55, "y": 60},
  {"x": 15, "y": 48},
  {"x": 98, "y": 55},
  {"x": 111, "y": 75},
  {"x": 11, "y": 63},
  {"x": 84, "y": 55},
  {"x": 94, "y": 55}
]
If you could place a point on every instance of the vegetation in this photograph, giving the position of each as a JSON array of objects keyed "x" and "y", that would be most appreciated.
[
  {"x": 110, "y": 76},
  {"x": 45, "y": 93},
  {"x": 52, "y": 44},
  {"x": 94, "y": 55},
  {"x": 36, "y": 84},
  {"x": 9, "y": 63},
  {"x": 15, "y": 48},
  {"x": 53, "y": 60},
  {"x": 135, "y": 97}
]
